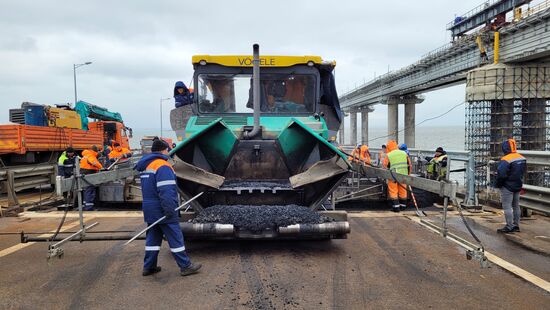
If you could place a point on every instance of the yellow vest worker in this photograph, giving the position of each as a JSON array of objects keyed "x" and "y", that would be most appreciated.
[{"x": 399, "y": 163}]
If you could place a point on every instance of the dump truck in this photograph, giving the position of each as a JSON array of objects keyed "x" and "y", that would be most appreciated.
[
  {"x": 260, "y": 138},
  {"x": 39, "y": 133}
]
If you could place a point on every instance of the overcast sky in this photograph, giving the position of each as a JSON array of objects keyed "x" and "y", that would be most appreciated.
[{"x": 140, "y": 48}]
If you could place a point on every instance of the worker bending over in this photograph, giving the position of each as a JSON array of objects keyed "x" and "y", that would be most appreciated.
[
  {"x": 510, "y": 171},
  {"x": 360, "y": 154},
  {"x": 398, "y": 162},
  {"x": 119, "y": 152},
  {"x": 437, "y": 165},
  {"x": 355, "y": 154},
  {"x": 160, "y": 198},
  {"x": 89, "y": 164}
]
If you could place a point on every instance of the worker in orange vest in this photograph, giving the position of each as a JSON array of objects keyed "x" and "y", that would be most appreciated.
[
  {"x": 355, "y": 154},
  {"x": 398, "y": 162},
  {"x": 119, "y": 152},
  {"x": 365, "y": 154},
  {"x": 89, "y": 164}
]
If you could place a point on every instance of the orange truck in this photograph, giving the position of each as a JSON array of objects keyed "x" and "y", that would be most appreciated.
[{"x": 30, "y": 144}]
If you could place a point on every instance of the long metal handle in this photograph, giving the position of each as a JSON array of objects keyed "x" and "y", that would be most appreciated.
[{"x": 162, "y": 218}]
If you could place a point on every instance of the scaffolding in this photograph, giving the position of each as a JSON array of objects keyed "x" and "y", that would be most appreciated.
[{"x": 504, "y": 102}]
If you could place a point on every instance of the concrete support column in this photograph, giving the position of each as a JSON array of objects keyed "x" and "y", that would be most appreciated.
[
  {"x": 393, "y": 118},
  {"x": 410, "y": 121},
  {"x": 353, "y": 127},
  {"x": 341, "y": 133},
  {"x": 365, "y": 127}
]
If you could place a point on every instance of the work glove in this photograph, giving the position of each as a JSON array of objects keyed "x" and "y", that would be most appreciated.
[{"x": 168, "y": 213}]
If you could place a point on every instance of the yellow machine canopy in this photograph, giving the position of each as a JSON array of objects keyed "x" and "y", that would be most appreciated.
[{"x": 265, "y": 61}]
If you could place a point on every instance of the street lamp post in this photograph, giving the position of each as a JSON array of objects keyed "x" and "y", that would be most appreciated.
[
  {"x": 161, "y": 100},
  {"x": 74, "y": 74}
]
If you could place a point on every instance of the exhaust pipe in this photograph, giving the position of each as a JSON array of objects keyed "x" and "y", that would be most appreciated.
[{"x": 255, "y": 92}]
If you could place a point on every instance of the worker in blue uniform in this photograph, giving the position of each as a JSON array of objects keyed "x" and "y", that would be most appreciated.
[
  {"x": 510, "y": 172},
  {"x": 160, "y": 198},
  {"x": 182, "y": 94}
]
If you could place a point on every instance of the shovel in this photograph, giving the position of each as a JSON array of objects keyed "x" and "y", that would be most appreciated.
[{"x": 419, "y": 213}]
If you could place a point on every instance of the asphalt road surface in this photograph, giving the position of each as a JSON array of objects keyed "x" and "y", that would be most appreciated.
[{"x": 387, "y": 262}]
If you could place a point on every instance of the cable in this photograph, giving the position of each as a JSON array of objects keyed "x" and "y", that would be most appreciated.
[{"x": 422, "y": 122}]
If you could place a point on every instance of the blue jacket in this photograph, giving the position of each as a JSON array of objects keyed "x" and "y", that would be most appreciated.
[
  {"x": 158, "y": 188},
  {"x": 182, "y": 99},
  {"x": 511, "y": 167}
]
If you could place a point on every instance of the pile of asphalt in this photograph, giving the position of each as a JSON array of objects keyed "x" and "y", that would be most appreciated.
[{"x": 258, "y": 218}]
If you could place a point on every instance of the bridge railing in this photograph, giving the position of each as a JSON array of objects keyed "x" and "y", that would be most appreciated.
[{"x": 472, "y": 12}]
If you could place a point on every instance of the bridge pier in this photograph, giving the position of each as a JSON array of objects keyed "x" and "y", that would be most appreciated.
[
  {"x": 393, "y": 117},
  {"x": 393, "y": 120},
  {"x": 508, "y": 101},
  {"x": 365, "y": 127},
  {"x": 341, "y": 132},
  {"x": 410, "y": 124},
  {"x": 353, "y": 127}
]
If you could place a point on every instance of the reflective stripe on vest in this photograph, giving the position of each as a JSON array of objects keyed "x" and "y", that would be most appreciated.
[{"x": 398, "y": 161}]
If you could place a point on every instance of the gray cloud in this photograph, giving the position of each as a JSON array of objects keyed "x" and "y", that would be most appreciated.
[{"x": 140, "y": 48}]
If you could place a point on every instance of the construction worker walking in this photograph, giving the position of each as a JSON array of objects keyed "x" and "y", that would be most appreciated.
[
  {"x": 160, "y": 198},
  {"x": 89, "y": 164},
  {"x": 510, "y": 171},
  {"x": 398, "y": 162}
]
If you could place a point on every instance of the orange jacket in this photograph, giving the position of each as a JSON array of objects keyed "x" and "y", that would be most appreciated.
[
  {"x": 365, "y": 154},
  {"x": 355, "y": 155},
  {"x": 118, "y": 152},
  {"x": 89, "y": 160}
]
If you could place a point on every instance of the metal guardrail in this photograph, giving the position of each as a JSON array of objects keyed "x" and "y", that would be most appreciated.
[
  {"x": 536, "y": 198},
  {"x": 16, "y": 178}
]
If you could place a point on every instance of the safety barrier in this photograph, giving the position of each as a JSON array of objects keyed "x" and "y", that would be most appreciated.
[
  {"x": 535, "y": 198},
  {"x": 16, "y": 178}
]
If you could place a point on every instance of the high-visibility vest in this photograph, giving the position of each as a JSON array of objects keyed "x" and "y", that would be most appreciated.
[
  {"x": 62, "y": 158},
  {"x": 89, "y": 161},
  {"x": 118, "y": 152},
  {"x": 398, "y": 162}
]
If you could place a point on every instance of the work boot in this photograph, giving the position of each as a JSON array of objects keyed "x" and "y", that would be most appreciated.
[
  {"x": 148, "y": 272},
  {"x": 516, "y": 229},
  {"x": 505, "y": 230},
  {"x": 395, "y": 208},
  {"x": 191, "y": 269},
  {"x": 402, "y": 207}
]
